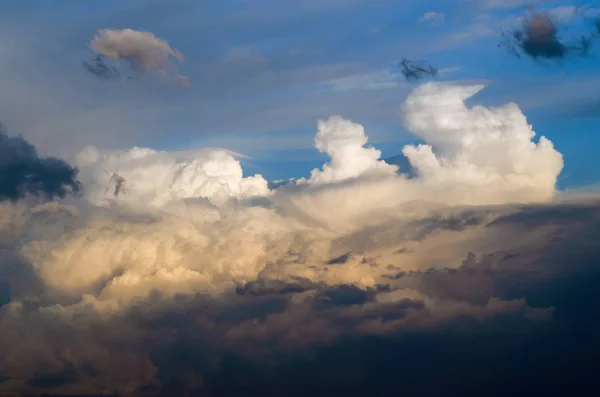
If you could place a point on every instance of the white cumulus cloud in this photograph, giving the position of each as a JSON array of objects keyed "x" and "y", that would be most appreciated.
[{"x": 156, "y": 178}]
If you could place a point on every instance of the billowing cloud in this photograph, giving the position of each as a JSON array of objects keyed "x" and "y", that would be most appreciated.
[
  {"x": 193, "y": 278},
  {"x": 157, "y": 178},
  {"x": 344, "y": 142},
  {"x": 23, "y": 172},
  {"x": 488, "y": 147},
  {"x": 142, "y": 51}
]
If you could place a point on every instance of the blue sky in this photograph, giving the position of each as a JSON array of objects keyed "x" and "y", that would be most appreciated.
[{"x": 264, "y": 71}]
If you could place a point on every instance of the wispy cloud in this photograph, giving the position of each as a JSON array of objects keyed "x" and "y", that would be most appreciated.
[
  {"x": 375, "y": 80},
  {"x": 433, "y": 18},
  {"x": 450, "y": 70}
]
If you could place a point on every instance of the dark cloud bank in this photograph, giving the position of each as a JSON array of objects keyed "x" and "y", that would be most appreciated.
[
  {"x": 23, "y": 172},
  {"x": 520, "y": 321}
]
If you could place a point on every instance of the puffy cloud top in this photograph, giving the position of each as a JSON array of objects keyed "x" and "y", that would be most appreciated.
[
  {"x": 344, "y": 142},
  {"x": 148, "y": 177},
  {"x": 478, "y": 148}
]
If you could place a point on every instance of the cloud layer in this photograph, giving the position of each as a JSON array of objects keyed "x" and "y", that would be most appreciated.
[{"x": 176, "y": 274}]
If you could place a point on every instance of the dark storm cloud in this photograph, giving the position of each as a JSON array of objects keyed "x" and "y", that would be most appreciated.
[
  {"x": 517, "y": 320},
  {"x": 264, "y": 287},
  {"x": 539, "y": 39},
  {"x": 24, "y": 172},
  {"x": 343, "y": 295}
]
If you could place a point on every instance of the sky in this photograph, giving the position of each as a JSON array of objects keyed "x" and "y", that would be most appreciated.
[
  {"x": 246, "y": 198},
  {"x": 262, "y": 74}
]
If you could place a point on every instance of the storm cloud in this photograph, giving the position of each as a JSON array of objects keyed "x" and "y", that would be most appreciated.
[
  {"x": 355, "y": 280},
  {"x": 23, "y": 172}
]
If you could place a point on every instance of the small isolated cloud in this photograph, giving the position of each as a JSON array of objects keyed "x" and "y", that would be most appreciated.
[
  {"x": 539, "y": 38},
  {"x": 432, "y": 17},
  {"x": 23, "y": 172},
  {"x": 450, "y": 70},
  {"x": 142, "y": 51},
  {"x": 416, "y": 70}
]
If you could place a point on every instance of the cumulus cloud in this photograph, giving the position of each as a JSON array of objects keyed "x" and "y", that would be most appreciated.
[
  {"x": 157, "y": 178},
  {"x": 197, "y": 279},
  {"x": 142, "y": 51},
  {"x": 491, "y": 147},
  {"x": 344, "y": 142},
  {"x": 23, "y": 172}
]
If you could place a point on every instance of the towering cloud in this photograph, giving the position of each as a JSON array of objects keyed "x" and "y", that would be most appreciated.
[
  {"x": 24, "y": 172},
  {"x": 488, "y": 151},
  {"x": 184, "y": 277},
  {"x": 472, "y": 156},
  {"x": 142, "y": 51},
  {"x": 344, "y": 142}
]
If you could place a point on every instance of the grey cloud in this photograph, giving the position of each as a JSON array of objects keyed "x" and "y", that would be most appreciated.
[
  {"x": 340, "y": 259},
  {"x": 416, "y": 70},
  {"x": 279, "y": 330},
  {"x": 23, "y": 172},
  {"x": 343, "y": 295},
  {"x": 539, "y": 39},
  {"x": 99, "y": 68},
  {"x": 263, "y": 287},
  {"x": 142, "y": 51}
]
